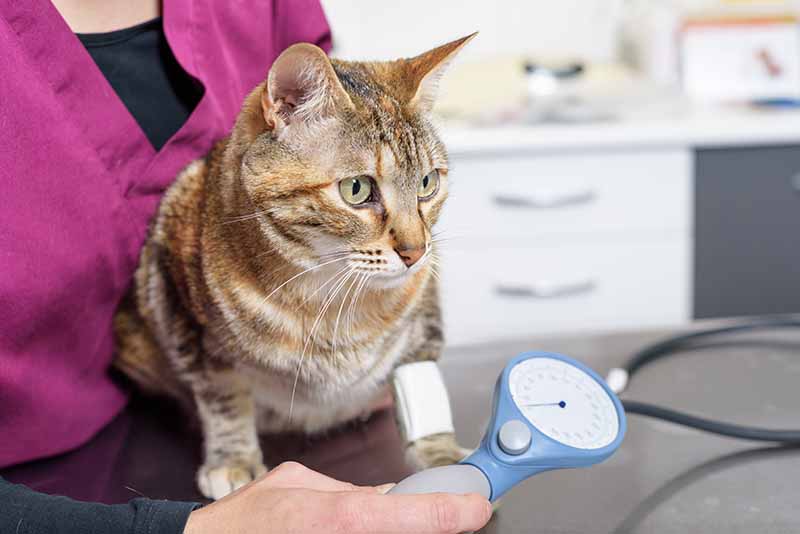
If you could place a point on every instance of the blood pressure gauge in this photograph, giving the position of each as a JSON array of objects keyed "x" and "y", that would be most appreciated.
[{"x": 550, "y": 412}]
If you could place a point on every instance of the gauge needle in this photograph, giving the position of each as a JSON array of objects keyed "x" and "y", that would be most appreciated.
[{"x": 560, "y": 404}]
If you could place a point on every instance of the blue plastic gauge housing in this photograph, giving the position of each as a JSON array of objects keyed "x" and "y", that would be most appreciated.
[
  {"x": 550, "y": 412},
  {"x": 574, "y": 420}
]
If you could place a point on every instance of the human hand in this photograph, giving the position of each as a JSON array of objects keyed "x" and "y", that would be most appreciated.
[{"x": 292, "y": 499}]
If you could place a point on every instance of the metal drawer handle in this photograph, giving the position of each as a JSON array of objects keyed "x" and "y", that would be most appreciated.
[
  {"x": 795, "y": 181},
  {"x": 546, "y": 290},
  {"x": 544, "y": 201}
]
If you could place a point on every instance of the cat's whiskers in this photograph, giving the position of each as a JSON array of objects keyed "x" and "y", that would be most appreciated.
[
  {"x": 368, "y": 372},
  {"x": 267, "y": 251},
  {"x": 441, "y": 242},
  {"x": 339, "y": 314},
  {"x": 362, "y": 290},
  {"x": 351, "y": 310},
  {"x": 241, "y": 218},
  {"x": 427, "y": 254},
  {"x": 298, "y": 275},
  {"x": 436, "y": 238},
  {"x": 435, "y": 273},
  {"x": 334, "y": 253},
  {"x": 320, "y": 257},
  {"x": 330, "y": 297},
  {"x": 327, "y": 257},
  {"x": 435, "y": 265},
  {"x": 346, "y": 320},
  {"x": 323, "y": 286}
]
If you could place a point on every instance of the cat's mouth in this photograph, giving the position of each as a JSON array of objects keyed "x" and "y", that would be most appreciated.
[
  {"x": 391, "y": 277},
  {"x": 371, "y": 267}
]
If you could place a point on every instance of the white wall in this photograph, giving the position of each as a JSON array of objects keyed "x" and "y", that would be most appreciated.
[
  {"x": 543, "y": 29},
  {"x": 558, "y": 29}
]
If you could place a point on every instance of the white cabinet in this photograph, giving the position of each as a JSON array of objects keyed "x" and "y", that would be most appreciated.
[{"x": 535, "y": 243}]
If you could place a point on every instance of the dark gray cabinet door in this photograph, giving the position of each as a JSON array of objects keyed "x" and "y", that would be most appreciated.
[{"x": 747, "y": 231}]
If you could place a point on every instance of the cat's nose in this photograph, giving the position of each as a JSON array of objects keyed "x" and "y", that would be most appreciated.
[{"x": 409, "y": 255}]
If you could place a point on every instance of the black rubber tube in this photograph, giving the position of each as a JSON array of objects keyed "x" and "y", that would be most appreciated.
[
  {"x": 685, "y": 341},
  {"x": 709, "y": 425},
  {"x": 674, "y": 344}
]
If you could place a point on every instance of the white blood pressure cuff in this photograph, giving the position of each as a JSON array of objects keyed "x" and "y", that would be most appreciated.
[{"x": 422, "y": 404}]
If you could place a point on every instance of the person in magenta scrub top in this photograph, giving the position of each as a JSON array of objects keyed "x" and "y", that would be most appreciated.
[{"x": 102, "y": 102}]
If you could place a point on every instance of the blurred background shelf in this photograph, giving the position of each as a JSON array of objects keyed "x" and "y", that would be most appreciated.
[{"x": 731, "y": 125}]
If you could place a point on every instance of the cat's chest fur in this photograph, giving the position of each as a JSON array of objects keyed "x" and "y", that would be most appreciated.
[
  {"x": 329, "y": 388},
  {"x": 310, "y": 369}
]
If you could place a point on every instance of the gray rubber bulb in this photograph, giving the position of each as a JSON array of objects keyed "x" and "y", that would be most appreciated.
[{"x": 459, "y": 478}]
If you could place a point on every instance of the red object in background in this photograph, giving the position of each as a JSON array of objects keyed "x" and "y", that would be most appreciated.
[{"x": 770, "y": 65}]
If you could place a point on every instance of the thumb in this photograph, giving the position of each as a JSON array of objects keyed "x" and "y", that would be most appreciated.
[{"x": 384, "y": 488}]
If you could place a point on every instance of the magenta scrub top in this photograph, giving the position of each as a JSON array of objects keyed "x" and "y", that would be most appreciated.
[{"x": 79, "y": 182}]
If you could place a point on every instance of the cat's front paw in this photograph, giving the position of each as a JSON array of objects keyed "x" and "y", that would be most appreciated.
[
  {"x": 435, "y": 451},
  {"x": 219, "y": 477}
]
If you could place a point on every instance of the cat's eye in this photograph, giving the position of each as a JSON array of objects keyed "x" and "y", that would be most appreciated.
[
  {"x": 356, "y": 190},
  {"x": 428, "y": 185}
]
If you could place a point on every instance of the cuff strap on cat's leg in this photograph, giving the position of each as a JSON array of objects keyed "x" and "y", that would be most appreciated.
[{"x": 423, "y": 407}]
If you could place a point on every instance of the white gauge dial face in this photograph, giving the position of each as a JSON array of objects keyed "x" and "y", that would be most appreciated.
[{"x": 564, "y": 403}]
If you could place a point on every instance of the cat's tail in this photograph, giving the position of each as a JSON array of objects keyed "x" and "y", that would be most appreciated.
[{"x": 139, "y": 358}]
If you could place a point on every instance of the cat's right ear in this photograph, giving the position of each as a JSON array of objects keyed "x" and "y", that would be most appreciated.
[{"x": 301, "y": 86}]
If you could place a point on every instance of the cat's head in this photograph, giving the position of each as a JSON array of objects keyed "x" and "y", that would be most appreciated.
[{"x": 343, "y": 163}]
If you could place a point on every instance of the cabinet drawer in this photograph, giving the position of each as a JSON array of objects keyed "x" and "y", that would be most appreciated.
[
  {"x": 502, "y": 293},
  {"x": 516, "y": 196}
]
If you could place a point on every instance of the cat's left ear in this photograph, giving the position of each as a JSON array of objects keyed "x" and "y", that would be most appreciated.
[
  {"x": 426, "y": 70},
  {"x": 301, "y": 87}
]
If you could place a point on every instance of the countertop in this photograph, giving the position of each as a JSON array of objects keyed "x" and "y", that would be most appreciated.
[
  {"x": 719, "y": 126},
  {"x": 663, "y": 479}
]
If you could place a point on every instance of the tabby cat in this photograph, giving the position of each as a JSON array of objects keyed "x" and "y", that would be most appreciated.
[{"x": 291, "y": 270}]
